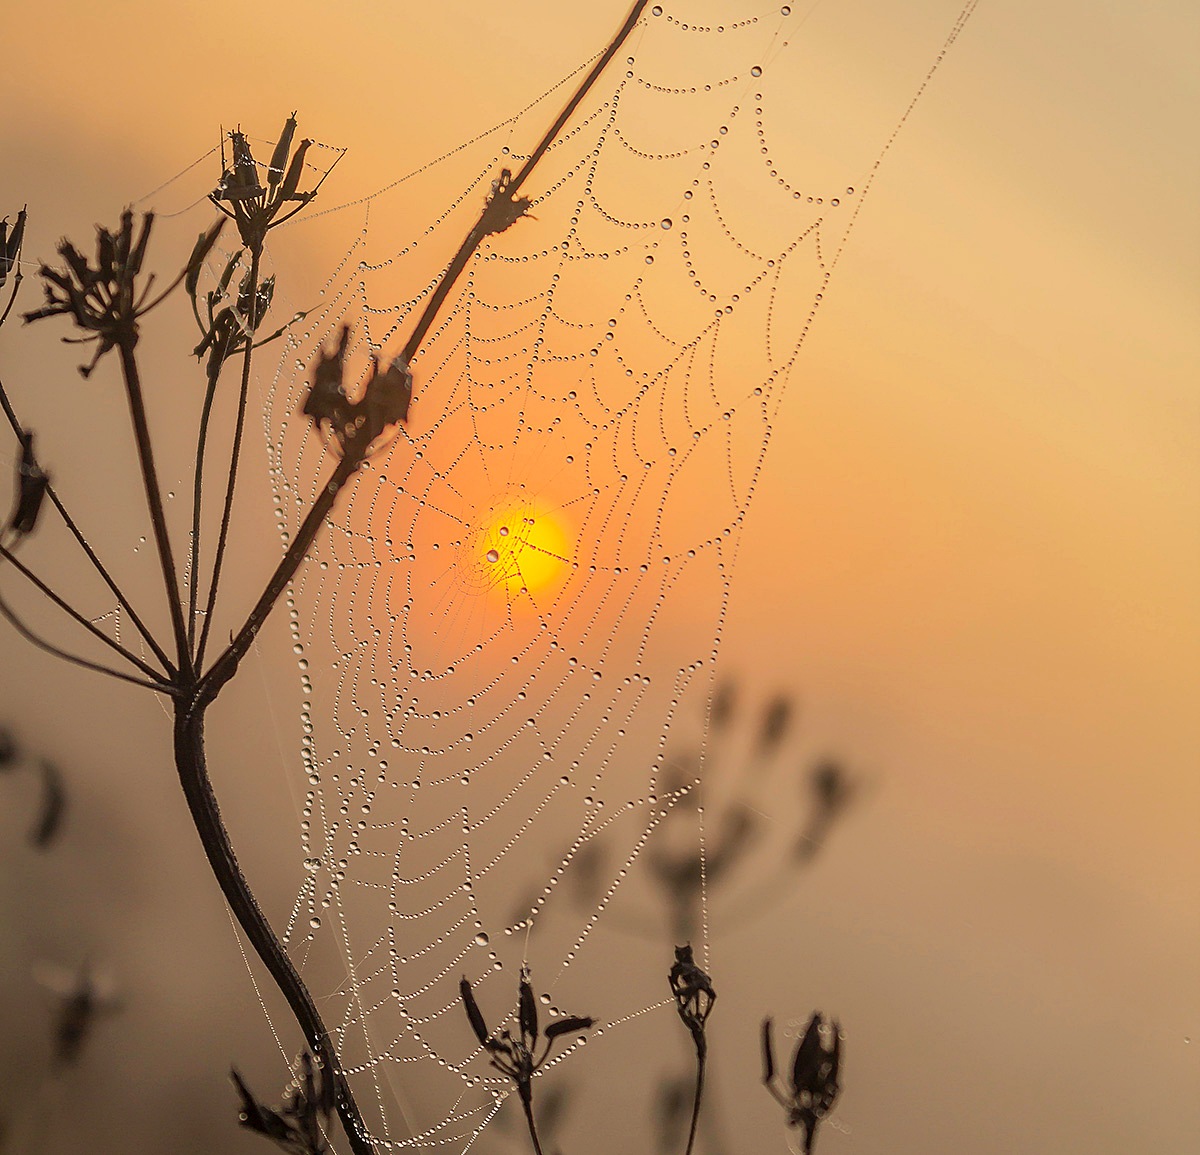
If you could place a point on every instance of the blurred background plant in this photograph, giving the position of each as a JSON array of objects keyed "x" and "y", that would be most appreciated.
[{"x": 731, "y": 848}]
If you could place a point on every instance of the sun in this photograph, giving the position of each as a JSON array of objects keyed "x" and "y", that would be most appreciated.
[{"x": 525, "y": 550}]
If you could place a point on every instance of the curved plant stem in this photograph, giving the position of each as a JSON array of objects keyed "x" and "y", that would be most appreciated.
[
  {"x": 701, "y": 1057},
  {"x": 90, "y": 553},
  {"x": 235, "y": 457},
  {"x": 202, "y": 802}
]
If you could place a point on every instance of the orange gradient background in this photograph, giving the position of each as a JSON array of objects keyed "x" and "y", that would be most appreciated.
[{"x": 973, "y": 555}]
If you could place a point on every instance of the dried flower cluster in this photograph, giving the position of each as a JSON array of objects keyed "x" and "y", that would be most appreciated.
[
  {"x": 813, "y": 1086},
  {"x": 103, "y": 299},
  {"x": 517, "y": 1055},
  {"x": 240, "y": 194},
  {"x": 358, "y": 425},
  {"x": 694, "y": 994}
]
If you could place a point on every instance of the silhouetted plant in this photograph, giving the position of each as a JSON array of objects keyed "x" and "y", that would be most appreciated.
[
  {"x": 107, "y": 298},
  {"x": 813, "y": 1085},
  {"x": 517, "y": 1055},
  {"x": 79, "y": 996},
  {"x": 300, "y": 1125},
  {"x": 694, "y": 1000}
]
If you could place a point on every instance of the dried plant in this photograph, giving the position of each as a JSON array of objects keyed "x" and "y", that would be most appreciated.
[
  {"x": 517, "y": 1055},
  {"x": 52, "y": 804},
  {"x": 106, "y": 299},
  {"x": 300, "y": 1125},
  {"x": 694, "y": 1000},
  {"x": 809, "y": 1094}
]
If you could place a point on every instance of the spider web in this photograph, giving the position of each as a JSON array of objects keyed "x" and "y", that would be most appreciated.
[{"x": 522, "y": 602}]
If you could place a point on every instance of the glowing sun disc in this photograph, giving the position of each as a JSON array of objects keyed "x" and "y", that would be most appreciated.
[{"x": 525, "y": 549}]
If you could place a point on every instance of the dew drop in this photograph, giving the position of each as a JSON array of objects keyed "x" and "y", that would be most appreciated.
[
  {"x": 481, "y": 939},
  {"x": 492, "y": 555},
  {"x": 315, "y": 922},
  {"x": 665, "y": 223},
  {"x": 312, "y": 865},
  {"x": 756, "y": 71}
]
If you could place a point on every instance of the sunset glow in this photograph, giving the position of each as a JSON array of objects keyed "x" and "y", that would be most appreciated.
[{"x": 525, "y": 549}]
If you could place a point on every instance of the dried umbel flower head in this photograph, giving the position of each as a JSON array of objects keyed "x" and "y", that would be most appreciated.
[
  {"x": 241, "y": 196},
  {"x": 358, "y": 425},
  {"x": 517, "y": 1055},
  {"x": 813, "y": 1087},
  {"x": 83, "y": 996},
  {"x": 104, "y": 299}
]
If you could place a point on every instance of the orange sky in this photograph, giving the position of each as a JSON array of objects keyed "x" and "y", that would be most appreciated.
[{"x": 973, "y": 552}]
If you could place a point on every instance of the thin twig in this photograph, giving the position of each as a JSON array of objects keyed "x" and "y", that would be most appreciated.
[
  {"x": 158, "y": 520},
  {"x": 9, "y": 556},
  {"x": 97, "y": 564},
  {"x": 225, "y": 666},
  {"x": 197, "y": 495},
  {"x": 479, "y": 231},
  {"x": 21, "y": 628},
  {"x": 235, "y": 455},
  {"x": 701, "y": 1059},
  {"x": 527, "y": 1103}
]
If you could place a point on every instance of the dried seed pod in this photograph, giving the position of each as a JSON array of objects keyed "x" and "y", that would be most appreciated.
[
  {"x": 200, "y": 251},
  {"x": 32, "y": 483},
  {"x": 282, "y": 148}
]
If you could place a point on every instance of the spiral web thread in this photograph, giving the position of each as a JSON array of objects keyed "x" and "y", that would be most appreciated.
[{"x": 523, "y": 599}]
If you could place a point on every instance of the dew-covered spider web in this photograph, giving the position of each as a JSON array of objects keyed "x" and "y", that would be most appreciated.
[{"x": 521, "y": 602}]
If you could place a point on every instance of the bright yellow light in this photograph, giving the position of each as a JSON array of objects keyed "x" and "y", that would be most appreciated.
[{"x": 525, "y": 550}]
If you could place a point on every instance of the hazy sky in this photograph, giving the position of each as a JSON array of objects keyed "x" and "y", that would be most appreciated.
[{"x": 973, "y": 554}]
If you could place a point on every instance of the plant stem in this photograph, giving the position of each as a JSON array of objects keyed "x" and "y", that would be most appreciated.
[
  {"x": 97, "y": 564},
  {"x": 197, "y": 494},
  {"x": 701, "y": 1056},
  {"x": 226, "y": 665},
  {"x": 9, "y": 556},
  {"x": 235, "y": 455},
  {"x": 202, "y": 802},
  {"x": 479, "y": 231},
  {"x": 526, "y": 1094},
  {"x": 21, "y": 628},
  {"x": 158, "y": 520}
]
